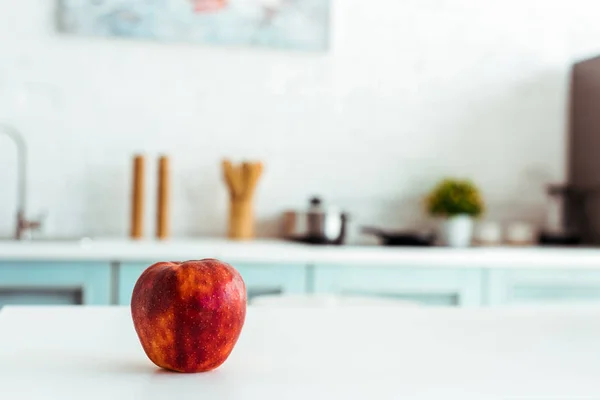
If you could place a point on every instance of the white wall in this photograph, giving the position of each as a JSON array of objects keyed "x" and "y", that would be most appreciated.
[{"x": 410, "y": 91}]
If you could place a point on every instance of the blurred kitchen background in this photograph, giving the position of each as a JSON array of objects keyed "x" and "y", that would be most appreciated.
[
  {"x": 405, "y": 94},
  {"x": 323, "y": 121}
]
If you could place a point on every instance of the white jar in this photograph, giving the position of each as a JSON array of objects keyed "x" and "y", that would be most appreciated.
[
  {"x": 488, "y": 233},
  {"x": 520, "y": 234}
]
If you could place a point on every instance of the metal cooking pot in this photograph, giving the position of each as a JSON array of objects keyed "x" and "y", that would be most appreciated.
[{"x": 317, "y": 225}]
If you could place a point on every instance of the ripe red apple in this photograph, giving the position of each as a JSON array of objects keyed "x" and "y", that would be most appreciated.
[{"x": 189, "y": 316}]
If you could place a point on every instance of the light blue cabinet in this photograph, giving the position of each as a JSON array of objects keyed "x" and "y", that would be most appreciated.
[
  {"x": 259, "y": 278},
  {"x": 430, "y": 286},
  {"x": 100, "y": 283},
  {"x": 547, "y": 286},
  {"x": 45, "y": 283},
  {"x": 127, "y": 276}
]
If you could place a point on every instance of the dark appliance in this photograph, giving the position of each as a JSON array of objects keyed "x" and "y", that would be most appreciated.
[{"x": 582, "y": 194}]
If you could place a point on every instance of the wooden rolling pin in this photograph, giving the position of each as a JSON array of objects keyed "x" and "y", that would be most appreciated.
[
  {"x": 162, "y": 201},
  {"x": 241, "y": 182},
  {"x": 137, "y": 197}
]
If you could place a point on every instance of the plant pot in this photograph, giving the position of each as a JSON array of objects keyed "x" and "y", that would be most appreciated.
[{"x": 457, "y": 231}]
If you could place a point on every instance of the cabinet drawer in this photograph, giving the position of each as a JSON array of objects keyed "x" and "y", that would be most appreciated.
[
  {"x": 543, "y": 286},
  {"x": 44, "y": 283},
  {"x": 259, "y": 278},
  {"x": 430, "y": 286}
]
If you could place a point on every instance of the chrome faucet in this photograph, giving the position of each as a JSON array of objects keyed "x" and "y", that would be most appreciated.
[{"x": 23, "y": 225}]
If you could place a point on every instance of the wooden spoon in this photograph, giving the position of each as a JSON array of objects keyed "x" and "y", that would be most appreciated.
[{"x": 232, "y": 178}]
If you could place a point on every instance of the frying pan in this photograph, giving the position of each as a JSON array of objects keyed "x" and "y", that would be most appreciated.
[{"x": 401, "y": 238}]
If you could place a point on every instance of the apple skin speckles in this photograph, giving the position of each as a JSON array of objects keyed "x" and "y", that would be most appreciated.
[{"x": 189, "y": 315}]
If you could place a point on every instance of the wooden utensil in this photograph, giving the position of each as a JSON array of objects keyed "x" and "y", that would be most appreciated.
[
  {"x": 162, "y": 214},
  {"x": 241, "y": 181},
  {"x": 137, "y": 197}
]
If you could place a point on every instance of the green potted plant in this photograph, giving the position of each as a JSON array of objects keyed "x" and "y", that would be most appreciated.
[{"x": 458, "y": 202}]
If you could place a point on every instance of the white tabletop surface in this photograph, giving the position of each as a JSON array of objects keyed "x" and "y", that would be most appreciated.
[
  {"x": 278, "y": 252},
  {"x": 348, "y": 353}
]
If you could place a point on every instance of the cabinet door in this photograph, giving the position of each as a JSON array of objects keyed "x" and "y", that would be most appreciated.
[
  {"x": 45, "y": 283},
  {"x": 260, "y": 279},
  {"x": 527, "y": 286},
  {"x": 427, "y": 286}
]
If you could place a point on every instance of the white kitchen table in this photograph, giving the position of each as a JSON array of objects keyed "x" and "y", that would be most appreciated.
[{"x": 337, "y": 353}]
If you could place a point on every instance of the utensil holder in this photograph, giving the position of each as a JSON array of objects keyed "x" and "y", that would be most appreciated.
[
  {"x": 241, "y": 219},
  {"x": 241, "y": 181}
]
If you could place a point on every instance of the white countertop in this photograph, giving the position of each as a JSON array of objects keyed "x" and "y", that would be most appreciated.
[
  {"x": 281, "y": 253},
  {"x": 347, "y": 353}
]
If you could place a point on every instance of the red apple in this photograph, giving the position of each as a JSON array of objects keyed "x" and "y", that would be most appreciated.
[{"x": 189, "y": 316}]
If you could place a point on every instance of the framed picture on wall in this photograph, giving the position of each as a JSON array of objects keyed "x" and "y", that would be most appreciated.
[{"x": 286, "y": 24}]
